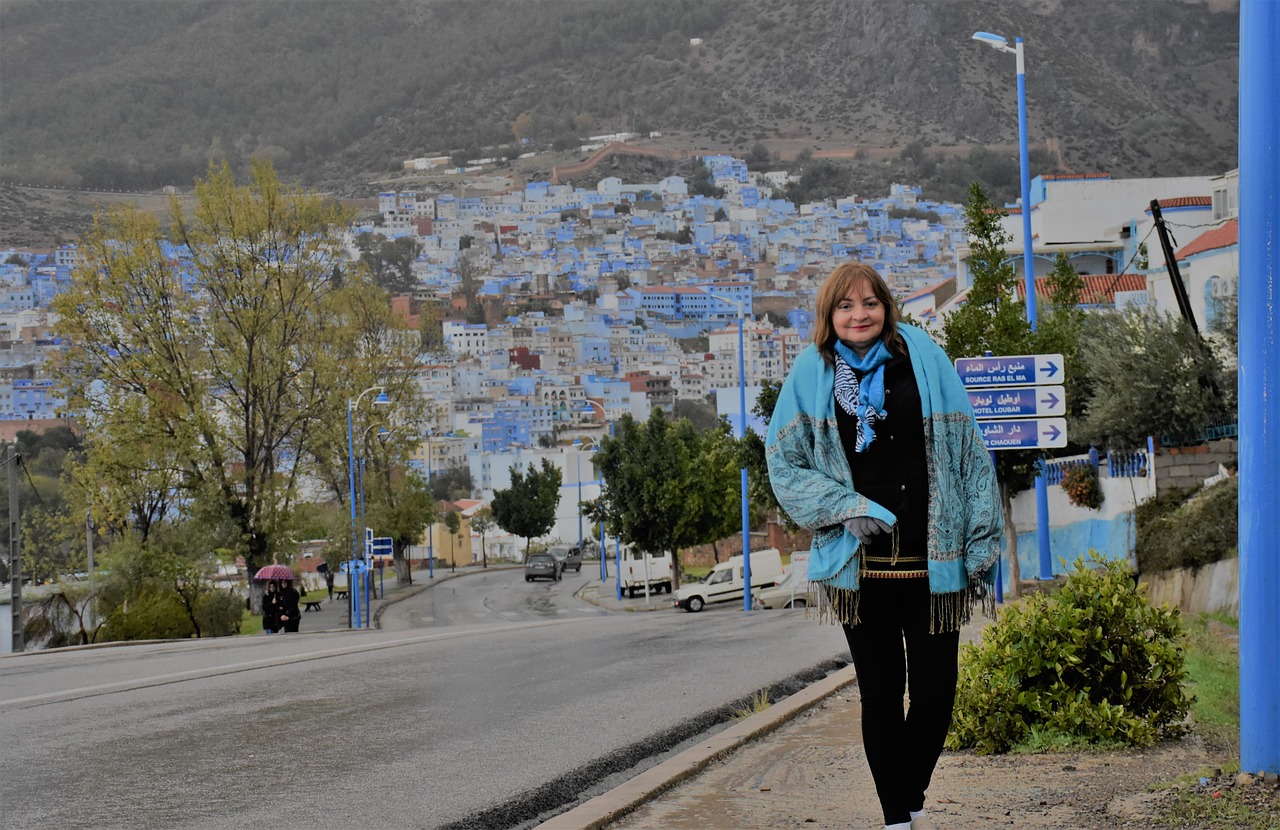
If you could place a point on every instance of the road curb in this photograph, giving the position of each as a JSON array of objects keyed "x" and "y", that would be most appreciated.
[{"x": 608, "y": 807}]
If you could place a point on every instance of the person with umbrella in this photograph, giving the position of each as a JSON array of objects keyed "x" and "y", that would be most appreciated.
[
  {"x": 271, "y": 608},
  {"x": 289, "y": 614},
  {"x": 275, "y": 609}
]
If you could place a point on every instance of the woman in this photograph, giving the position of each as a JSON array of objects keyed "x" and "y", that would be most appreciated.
[
  {"x": 873, "y": 446},
  {"x": 289, "y": 616},
  {"x": 271, "y": 608}
]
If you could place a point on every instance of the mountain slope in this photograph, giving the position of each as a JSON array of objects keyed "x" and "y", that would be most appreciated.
[{"x": 139, "y": 93}]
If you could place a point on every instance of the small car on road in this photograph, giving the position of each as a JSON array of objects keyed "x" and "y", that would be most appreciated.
[
  {"x": 568, "y": 557},
  {"x": 541, "y": 566}
]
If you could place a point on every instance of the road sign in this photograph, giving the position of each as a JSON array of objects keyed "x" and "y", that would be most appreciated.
[
  {"x": 1018, "y": 401},
  {"x": 1003, "y": 370},
  {"x": 1026, "y": 433}
]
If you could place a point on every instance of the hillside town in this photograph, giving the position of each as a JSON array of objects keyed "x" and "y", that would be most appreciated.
[{"x": 548, "y": 312}]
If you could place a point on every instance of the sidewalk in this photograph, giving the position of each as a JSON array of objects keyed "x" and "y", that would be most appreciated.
[{"x": 808, "y": 743}]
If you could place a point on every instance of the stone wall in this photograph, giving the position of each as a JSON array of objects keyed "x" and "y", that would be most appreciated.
[
  {"x": 1188, "y": 467},
  {"x": 1212, "y": 589}
]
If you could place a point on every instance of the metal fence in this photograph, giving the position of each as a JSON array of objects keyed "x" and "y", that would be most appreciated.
[{"x": 1116, "y": 464}]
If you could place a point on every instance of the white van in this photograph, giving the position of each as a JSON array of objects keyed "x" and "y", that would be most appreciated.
[
  {"x": 641, "y": 570},
  {"x": 725, "y": 582}
]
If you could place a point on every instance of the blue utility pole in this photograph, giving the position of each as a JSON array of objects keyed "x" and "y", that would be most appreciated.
[
  {"x": 1259, "y": 385},
  {"x": 1028, "y": 270}
]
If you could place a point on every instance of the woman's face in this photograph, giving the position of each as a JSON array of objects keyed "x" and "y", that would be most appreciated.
[{"x": 858, "y": 318}]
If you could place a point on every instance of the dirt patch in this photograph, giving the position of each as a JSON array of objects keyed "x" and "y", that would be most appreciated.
[{"x": 812, "y": 773}]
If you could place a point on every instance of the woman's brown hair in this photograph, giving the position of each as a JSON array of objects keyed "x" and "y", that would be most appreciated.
[{"x": 837, "y": 286}]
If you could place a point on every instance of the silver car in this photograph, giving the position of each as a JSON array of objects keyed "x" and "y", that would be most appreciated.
[
  {"x": 541, "y": 566},
  {"x": 568, "y": 557}
]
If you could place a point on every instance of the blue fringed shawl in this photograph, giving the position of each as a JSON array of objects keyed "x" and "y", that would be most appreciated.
[{"x": 810, "y": 476}]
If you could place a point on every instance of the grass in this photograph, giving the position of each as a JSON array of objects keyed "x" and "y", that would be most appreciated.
[
  {"x": 1215, "y": 682},
  {"x": 1228, "y": 812},
  {"x": 758, "y": 703},
  {"x": 1213, "y": 664},
  {"x": 250, "y": 624}
]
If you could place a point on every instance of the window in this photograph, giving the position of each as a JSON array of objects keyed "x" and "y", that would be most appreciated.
[{"x": 1224, "y": 203}]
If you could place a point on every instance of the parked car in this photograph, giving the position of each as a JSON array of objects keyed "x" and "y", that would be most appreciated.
[
  {"x": 568, "y": 557},
  {"x": 788, "y": 593},
  {"x": 541, "y": 566}
]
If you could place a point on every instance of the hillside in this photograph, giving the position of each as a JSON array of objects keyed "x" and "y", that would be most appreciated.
[{"x": 142, "y": 93}]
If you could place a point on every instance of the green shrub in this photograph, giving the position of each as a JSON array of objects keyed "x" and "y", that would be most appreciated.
[
  {"x": 219, "y": 614},
  {"x": 1174, "y": 531},
  {"x": 1090, "y": 663}
]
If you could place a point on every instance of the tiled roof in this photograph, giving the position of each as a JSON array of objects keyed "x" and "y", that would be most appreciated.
[
  {"x": 929, "y": 289},
  {"x": 1185, "y": 201},
  {"x": 1228, "y": 234},
  {"x": 1099, "y": 289}
]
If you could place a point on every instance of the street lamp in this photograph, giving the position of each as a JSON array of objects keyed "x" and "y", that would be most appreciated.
[
  {"x": 431, "y": 528},
  {"x": 617, "y": 555},
  {"x": 352, "y": 406},
  {"x": 1028, "y": 268},
  {"x": 742, "y": 432},
  {"x": 1028, "y": 264},
  {"x": 577, "y": 455}
]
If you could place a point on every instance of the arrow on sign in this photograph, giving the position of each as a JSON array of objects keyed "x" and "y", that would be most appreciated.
[
  {"x": 1051, "y": 368},
  {"x": 1053, "y": 432},
  {"x": 1051, "y": 400}
]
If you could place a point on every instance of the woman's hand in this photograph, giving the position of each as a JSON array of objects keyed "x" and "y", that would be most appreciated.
[{"x": 864, "y": 527}]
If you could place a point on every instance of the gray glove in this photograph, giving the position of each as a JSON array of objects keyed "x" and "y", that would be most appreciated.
[{"x": 864, "y": 527}]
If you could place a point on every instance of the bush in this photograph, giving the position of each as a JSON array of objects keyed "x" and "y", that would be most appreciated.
[
  {"x": 1090, "y": 663},
  {"x": 1177, "y": 531},
  {"x": 1082, "y": 487}
]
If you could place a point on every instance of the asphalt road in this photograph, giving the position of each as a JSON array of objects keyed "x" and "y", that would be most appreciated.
[{"x": 484, "y": 702}]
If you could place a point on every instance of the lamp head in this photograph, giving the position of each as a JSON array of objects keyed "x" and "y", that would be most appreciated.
[
  {"x": 994, "y": 41},
  {"x": 382, "y": 400}
]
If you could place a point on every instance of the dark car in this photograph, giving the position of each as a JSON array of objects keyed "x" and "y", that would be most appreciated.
[
  {"x": 568, "y": 557},
  {"x": 541, "y": 566}
]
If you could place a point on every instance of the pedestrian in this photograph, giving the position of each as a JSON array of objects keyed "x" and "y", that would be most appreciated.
[
  {"x": 873, "y": 446},
  {"x": 271, "y": 608},
  {"x": 290, "y": 617},
  {"x": 328, "y": 583}
]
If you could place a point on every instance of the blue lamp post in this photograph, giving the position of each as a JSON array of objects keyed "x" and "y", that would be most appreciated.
[
  {"x": 604, "y": 570},
  {"x": 1028, "y": 262},
  {"x": 431, "y": 536},
  {"x": 1028, "y": 267},
  {"x": 742, "y": 431},
  {"x": 577, "y": 455},
  {"x": 352, "y": 406}
]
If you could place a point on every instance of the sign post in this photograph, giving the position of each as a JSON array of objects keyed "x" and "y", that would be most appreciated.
[{"x": 1016, "y": 399}]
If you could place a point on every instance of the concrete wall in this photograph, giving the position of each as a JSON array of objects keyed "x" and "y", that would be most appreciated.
[{"x": 1074, "y": 531}]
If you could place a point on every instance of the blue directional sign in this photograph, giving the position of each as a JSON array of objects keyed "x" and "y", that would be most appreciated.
[
  {"x": 381, "y": 546},
  {"x": 1028, "y": 433},
  {"x": 1018, "y": 401},
  {"x": 1003, "y": 370}
]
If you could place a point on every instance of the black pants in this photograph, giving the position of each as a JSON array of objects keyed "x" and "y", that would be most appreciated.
[{"x": 902, "y": 751}]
